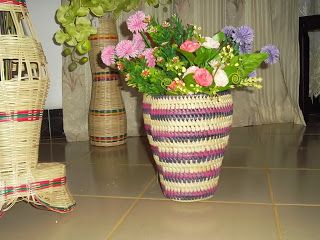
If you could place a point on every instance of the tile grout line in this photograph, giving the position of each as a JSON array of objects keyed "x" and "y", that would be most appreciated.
[
  {"x": 274, "y": 206},
  {"x": 206, "y": 201},
  {"x": 126, "y": 214}
]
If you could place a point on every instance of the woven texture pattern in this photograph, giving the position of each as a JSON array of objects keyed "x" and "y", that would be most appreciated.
[
  {"x": 188, "y": 135},
  {"x": 23, "y": 89},
  {"x": 107, "y": 116}
]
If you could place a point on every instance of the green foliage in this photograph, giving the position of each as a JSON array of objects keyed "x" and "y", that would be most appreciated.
[{"x": 76, "y": 27}]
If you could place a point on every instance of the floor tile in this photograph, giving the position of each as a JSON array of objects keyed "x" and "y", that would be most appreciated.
[
  {"x": 235, "y": 185},
  {"x": 244, "y": 157},
  {"x": 63, "y": 152},
  {"x": 300, "y": 222},
  {"x": 296, "y": 186},
  {"x": 136, "y": 151},
  {"x": 242, "y": 185},
  {"x": 108, "y": 179},
  {"x": 93, "y": 219},
  {"x": 171, "y": 220}
]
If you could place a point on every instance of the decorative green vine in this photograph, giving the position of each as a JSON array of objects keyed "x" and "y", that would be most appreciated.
[{"x": 76, "y": 26}]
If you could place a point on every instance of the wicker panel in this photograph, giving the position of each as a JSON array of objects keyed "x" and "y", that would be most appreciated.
[{"x": 23, "y": 89}]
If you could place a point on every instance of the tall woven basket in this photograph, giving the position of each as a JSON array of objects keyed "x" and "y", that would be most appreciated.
[
  {"x": 107, "y": 117},
  {"x": 23, "y": 89},
  {"x": 188, "y": 135}
]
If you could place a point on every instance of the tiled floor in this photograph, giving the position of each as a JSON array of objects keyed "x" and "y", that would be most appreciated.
[{"x": 268, "y": 189}]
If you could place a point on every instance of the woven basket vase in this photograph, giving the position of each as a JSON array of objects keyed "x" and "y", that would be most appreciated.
[
  {"x": 188, "y": 135},
  {"x": 107, "y": 116},
  {"x": 23, "y": 89}
]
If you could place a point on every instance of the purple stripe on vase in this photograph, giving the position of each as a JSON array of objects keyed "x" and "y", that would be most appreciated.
[
  {"x": 190, "y": 136},
  {"x": 191, "y": 176},
  {"x": 202, "y": 156},
  {"x": 209, "y": 132},
  {"x": 180, "y": 195},
  {"x": 191, "y": 111},
  {"x": 190, "y": 117}
]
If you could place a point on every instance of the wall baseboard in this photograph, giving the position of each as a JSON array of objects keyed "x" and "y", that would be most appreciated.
[{"x": 52, "y": 124}]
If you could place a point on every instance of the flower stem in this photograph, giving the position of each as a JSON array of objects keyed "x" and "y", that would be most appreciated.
[{"x": 145, "y": 39}]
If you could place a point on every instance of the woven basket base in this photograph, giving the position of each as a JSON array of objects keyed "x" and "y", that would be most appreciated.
[{"x": 99, "y": 144}]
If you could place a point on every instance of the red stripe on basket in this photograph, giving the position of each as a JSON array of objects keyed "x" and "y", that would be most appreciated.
[
  {"x": 103, "y": 36},
  {"x": 106, "y": 77},
  {"x": 21, "y": 116},
  {"x": 13, "y": 2},
  {"x": 35, "y": 186}
]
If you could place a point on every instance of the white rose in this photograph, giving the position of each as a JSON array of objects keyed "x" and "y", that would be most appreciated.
[
  {"x": 213, "y": 63},
  {"x": 220, "y": 78},
  {"x": 191, "y": 69},
  {"x": 210, "y": 43}
]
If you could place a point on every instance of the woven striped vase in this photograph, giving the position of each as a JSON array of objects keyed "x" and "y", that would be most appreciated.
[
  {"x": 23, "y": 90},
  {"x": 188, "y": 135},
  {"x": 107, "y": 116}
]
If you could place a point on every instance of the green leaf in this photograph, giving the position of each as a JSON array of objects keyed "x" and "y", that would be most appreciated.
[
  {"x": 220, "y": 37},
  {"x": 71, "y": 42},
  {"x": 190, "y": 82},
  {"x": 251, "y": 62},
  {"x": 97, "y": 11},
  {"x": 61, "y": 37},
  {"x": 109, "y": 5},
  {"x": 153, "y": 2},
  {"x": 188, "y": 55},
  {"x": 83, "y": 47},
  {"x": 72, "y": 66},
  {"x": 230, "y": 70},
  {"x": 65, "y": 15},
  {"x": 83, "y": 60},
  {"x": 66, "y": 52},
  {"x": 204, "y": 55},
  {"x": 83, "y": 21},
  {"x": 82, "y": 11}
]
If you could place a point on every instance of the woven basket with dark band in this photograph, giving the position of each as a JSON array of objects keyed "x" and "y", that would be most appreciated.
[{"x": 188, "y": 135}]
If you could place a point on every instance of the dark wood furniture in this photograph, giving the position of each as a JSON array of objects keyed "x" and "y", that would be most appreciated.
[{"x": 307, "y": 24}]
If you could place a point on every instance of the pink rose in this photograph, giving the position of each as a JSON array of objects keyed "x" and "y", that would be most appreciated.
[
  {"x": 189, "y": 46},
  {"x": 203, "y": 77}
]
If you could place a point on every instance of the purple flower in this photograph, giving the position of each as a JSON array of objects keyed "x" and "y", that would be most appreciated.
[
  {"x": 229, "y": 30},
  {"x": 252, "y": 74},
  {"x": 243, "y": 35},
  {"x": 245, "y": 48},
  {"x": 273, "y": 53}
]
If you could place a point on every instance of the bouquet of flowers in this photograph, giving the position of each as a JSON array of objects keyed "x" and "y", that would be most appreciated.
[{"x": 169, "y": 58}]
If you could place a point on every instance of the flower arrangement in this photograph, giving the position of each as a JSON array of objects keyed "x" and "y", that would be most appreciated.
[{"x": 169, "y": 58}]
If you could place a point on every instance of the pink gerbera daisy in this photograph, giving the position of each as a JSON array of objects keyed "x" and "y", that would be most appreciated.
[
  {"x": 136, "y": 22},
  {"x": 125, "y": 49},
  {"x": 107, "y": 55},
  {"x": 148, "y": 54},
  {"x": 138, "y": 43}
]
